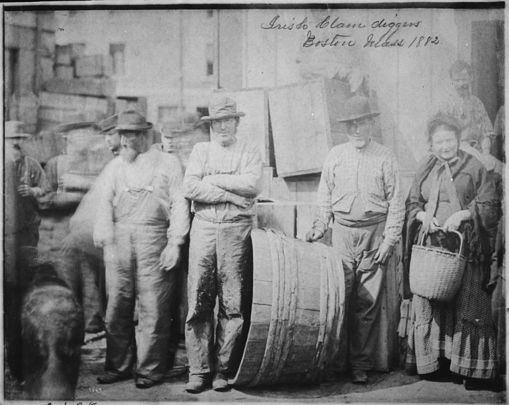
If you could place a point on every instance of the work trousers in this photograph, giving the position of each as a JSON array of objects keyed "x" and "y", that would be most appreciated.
[
  {"x": 358, "y": 247},
  {"x": 132, "y": 270},
  {"x": 218, "y": 267}
]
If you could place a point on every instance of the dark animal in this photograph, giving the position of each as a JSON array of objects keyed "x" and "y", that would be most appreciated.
[{"x": 52, "y": 332}]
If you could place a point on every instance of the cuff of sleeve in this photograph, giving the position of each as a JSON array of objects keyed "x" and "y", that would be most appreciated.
[
  {"x": 175, "y": 240},
  {"x": 390, "y": 241},
  {"x": 319, "y": 226}
]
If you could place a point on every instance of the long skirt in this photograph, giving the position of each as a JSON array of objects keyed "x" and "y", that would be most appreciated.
[{"x": 461, "y": 331}]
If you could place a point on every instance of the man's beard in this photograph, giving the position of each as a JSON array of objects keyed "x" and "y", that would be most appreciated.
[{"x": 129, "y": 154}]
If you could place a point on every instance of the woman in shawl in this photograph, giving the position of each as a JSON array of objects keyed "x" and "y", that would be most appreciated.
[{"x": 456, "y": 337}]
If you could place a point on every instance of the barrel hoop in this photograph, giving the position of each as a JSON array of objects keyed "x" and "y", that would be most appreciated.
[
  {"x": 287, "y": 323},
  {"x": 324, "y": 314},
  {"x": 267, "y": 355}
]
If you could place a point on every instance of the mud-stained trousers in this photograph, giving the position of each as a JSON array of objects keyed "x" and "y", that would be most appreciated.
[
  {"x": 358, "y": 247},
  {"x": 132, "y": 269},
  {"x": 218, "y": 265}
]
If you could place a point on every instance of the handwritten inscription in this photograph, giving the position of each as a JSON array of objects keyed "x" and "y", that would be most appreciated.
[{"x": 381, "y": 33}]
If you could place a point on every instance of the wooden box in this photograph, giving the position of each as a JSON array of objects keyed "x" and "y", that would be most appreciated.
[
  {"x": 93, "y": 66},
  {"x": 64, "y": 71},
  {"x": 303, "y": 117},
  {"x": 63, "y": 54}
]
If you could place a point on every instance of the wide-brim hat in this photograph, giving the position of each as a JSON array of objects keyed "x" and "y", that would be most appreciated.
[
  {"x": 14, "y": 130},
  {"x": 221, "y": 108},
  {"x": 184, "y": 122},
  {"x": 63, "y": 129},
  {"x": 132, "y": 120},
  {"x": 356, "y": 108},
  {"x": 108, "y": 124}
]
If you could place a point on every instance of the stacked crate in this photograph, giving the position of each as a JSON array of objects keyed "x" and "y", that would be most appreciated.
[
  {"x": 74, "y": 93},
  {"x": 29, "y": 42}
]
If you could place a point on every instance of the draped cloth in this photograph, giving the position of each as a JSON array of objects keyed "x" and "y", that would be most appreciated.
[{"x": 460, "y": 331}]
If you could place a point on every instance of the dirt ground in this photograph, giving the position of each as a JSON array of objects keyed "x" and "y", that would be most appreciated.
[{"x": 391, "y": 387}]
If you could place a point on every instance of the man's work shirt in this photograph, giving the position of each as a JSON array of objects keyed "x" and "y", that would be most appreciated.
[
  {"x": 145, "y": 192},
  {"x": 472, "y": 115},
  {"x": 360, "y": 187},
  {"x": 213, "y": 171}
]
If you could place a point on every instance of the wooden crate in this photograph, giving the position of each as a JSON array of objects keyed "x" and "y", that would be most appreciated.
[
  {"x": 254, "y": 126},
  {"x": 94, "y": 66},
  {"x": 47, "y": 44},
  {"x": 301, "y": 124},
  {"x": 64, "y": 71},
  {"x": 63, "y": 54},
  {"x": 83, "y": 87},
  {"x": 69, "y": 101},
  {"x": 19, "y": 37},
  {"x": 46, "y": 66}
]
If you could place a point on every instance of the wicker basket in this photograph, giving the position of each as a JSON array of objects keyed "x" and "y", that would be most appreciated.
[{"x": 436, "y": 273}]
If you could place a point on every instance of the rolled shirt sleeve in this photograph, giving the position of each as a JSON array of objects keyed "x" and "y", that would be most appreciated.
[
  {"x": 324, "y": 196},
  {"x": 393, "y": 194}
]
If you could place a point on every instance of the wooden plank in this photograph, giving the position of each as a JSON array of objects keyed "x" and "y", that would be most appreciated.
[
  {"x": 47, "y": 72},
  {"x": 300, "y": 127},
  {"x": 21, "y": 18},
  {"x": 254, "y": 126},
  {"x": 47, "y": 44},
  {"x": 47, "y": 21},
  {"x": 278, "y": 215},
  {"x": 83, "y": 87}
]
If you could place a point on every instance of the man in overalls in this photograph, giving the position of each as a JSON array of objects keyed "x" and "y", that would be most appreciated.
[
  {"x": 142, "y": 221},
  {"x": 222, "y": 180}
]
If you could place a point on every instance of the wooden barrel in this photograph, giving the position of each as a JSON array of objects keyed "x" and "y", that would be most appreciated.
[{"x": 297, "y": 312}]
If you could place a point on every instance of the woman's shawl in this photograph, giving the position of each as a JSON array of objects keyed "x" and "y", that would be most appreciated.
[{"x": 479, "y": 232}]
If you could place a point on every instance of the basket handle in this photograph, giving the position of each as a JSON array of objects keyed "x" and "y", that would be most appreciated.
[{"x": 424, "y": 235}]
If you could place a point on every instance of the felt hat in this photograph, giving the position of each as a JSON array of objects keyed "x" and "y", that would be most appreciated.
[
  {"x": 14, "y": 129},
  {"x": 223, "y": 107},
  {"x": 132, "y": 120},
  {"x": 108, "y": 124},
  {"x": 184, "y": 122},
  {"x": 355, "y": 108},
  {"x": 70, "y": 126}
]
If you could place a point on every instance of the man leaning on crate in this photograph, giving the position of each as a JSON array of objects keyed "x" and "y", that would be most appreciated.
[{"x": 359, "y": 189}]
